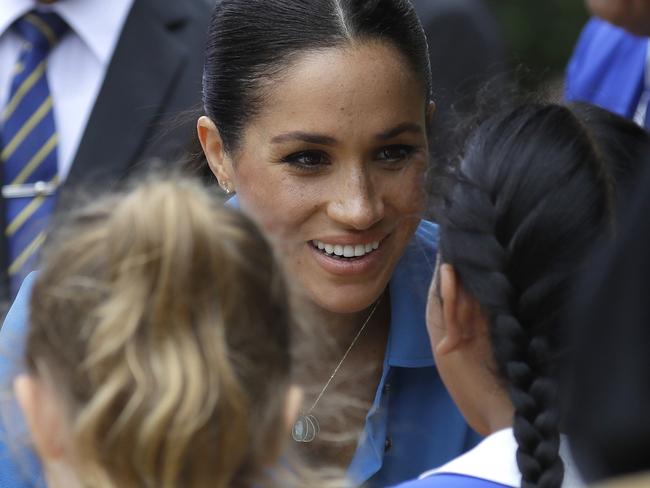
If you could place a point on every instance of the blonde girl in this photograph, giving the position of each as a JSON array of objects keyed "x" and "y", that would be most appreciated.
[{"x": 159, "y": 349}]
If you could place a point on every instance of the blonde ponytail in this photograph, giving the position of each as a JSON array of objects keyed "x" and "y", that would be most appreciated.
[{"x": 164, "y": 322}]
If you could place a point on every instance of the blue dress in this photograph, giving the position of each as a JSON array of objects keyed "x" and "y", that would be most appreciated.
[{"x": 412, "y": 425}]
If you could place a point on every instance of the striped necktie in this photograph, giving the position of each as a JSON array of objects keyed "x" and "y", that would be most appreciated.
[{"x": 29, "y": 145}]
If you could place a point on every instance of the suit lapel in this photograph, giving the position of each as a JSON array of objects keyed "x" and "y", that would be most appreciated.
[{"x": 144, "y": 66}]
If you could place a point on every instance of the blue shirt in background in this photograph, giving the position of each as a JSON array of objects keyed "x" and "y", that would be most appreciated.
[
  {"x": 413, "y": 423},
  {"x": 608, "y": 68}
]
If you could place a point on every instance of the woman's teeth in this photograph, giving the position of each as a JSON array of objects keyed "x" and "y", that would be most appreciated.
[{"x": 347, "y": 251}]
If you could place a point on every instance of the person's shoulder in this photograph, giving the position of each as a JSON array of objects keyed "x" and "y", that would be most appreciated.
[
  {"x": 607, "y": 36},
  {"x": 193, "y": 7},
  {"x": 189, "y": 17},
  {"x": 200, "y": 7},
  {"x": 607, "y": 67},
  {"x": 450, "y": 481}
]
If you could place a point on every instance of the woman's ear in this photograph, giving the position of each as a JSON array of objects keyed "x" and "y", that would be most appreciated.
[
  {"x": 44, "y": 416},
  {"x": 212, "y": 143}
]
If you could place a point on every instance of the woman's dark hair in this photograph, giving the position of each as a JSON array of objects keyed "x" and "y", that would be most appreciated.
[
  {"x": 528, "y": 201},
  {"x": 251, "y": 43}
]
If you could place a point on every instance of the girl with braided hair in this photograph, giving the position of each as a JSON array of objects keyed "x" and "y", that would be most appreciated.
[{"x": 531, "y": 196}]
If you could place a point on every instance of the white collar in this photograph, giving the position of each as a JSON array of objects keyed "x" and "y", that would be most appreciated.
[
  {"x": 494, "y": 459},
  {"x": 97, "y": 23}
]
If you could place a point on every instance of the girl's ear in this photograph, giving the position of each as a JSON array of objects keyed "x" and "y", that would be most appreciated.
[
  {"x": 219, "y": 161},
  {"x": 44, "y": 416},
  {"x": 462, "y": 313},
  {"x": 292, "y": 406},
  {"x": 449, "y": 294}
]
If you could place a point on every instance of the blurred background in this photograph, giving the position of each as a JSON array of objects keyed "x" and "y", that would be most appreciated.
[{"x": 540, "y": 35}]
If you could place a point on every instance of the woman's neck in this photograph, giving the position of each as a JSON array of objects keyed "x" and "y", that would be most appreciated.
[{"x": 341, "y": 328}]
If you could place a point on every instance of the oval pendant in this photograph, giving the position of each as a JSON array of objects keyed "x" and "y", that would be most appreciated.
[{"x": 305, "y": 429}]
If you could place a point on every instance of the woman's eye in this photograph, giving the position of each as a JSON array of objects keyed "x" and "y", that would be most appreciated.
[
  {"x": 395, "y": 154},
  {"x": 307, "y": 159}
]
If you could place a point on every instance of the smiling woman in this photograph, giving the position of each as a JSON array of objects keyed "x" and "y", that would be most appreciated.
[
  {"x": 336, "y": 169},
  {"x": 316, "y": 116}
]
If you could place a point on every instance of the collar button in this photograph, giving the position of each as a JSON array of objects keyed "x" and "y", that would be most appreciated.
[{"x": 388, "y": 444}]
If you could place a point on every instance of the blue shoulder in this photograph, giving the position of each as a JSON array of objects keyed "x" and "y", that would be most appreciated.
[{"x": 607, "y": 67}]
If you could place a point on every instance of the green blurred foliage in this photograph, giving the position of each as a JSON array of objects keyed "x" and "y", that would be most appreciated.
[{"x": 541, "y": 33}]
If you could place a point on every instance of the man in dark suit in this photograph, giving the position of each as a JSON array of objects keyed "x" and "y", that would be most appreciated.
[{"x": 118, "y": 78}]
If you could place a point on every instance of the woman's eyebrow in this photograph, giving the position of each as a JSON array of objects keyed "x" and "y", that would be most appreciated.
[
  {"x": 309, "y": 137},
  {"x": 398, "y": 130},
  {"x": 325, "y": 140}
]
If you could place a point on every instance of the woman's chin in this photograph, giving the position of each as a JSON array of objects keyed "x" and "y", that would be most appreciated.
[{"x": 344, "y": 300}]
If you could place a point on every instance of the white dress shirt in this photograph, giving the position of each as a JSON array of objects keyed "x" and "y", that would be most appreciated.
[
  {"x": 495, "y": 459},
  {"x": 77, "y": 65},
  {"x": 644, "y": 100}
]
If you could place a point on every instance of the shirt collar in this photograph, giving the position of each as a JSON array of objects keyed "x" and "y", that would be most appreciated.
[
  {"x": 495, "y": 459},
  {"x": 99, "y": 26},
  {"x": 408, "y": 343},
  {"x": 12, "y": 10}
]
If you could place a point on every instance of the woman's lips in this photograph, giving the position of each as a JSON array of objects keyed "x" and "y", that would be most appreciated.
[
  {"x": 346, "y": 250},
  {"x": 348, "y": 259}
]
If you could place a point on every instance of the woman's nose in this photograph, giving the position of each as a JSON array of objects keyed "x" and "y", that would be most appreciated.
[{"x": 356, "y": 202}]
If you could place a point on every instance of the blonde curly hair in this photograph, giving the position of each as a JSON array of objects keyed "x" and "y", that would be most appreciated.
[{"x": 163, "y": 321}]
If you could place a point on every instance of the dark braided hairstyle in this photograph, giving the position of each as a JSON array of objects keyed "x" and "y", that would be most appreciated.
[{"x": 527, "y": 202}]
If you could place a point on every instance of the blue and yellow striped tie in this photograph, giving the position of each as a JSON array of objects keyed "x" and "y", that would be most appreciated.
[{"x": 29, "y": 144}]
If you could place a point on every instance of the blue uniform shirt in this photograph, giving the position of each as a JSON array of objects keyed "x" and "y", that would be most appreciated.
[
  {"x": 608, "y": 68},
  {"x": 452, "y": 481},
  {"x": 412, "y": 425}
]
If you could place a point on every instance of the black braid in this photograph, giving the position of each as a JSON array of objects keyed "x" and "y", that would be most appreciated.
[{"x": 527, "y": 202}]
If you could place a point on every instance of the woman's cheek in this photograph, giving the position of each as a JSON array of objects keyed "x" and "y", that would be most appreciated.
[{"x": 410, "y": 192}]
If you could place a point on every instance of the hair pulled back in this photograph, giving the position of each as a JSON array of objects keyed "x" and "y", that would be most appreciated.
[
  {"x": 251, "y": 43},
  {"x": 527, "y": 202},
  {"x": 161, "y": 318}
]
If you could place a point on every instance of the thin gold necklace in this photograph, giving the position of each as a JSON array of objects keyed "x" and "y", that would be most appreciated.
[{"x": 306, "y": 428}]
